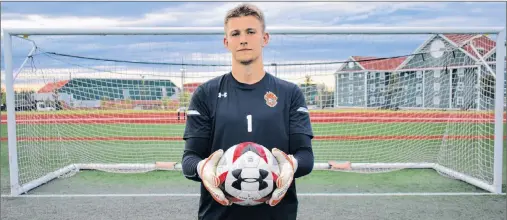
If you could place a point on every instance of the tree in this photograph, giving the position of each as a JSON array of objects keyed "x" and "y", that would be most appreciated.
[
  {"x": 308, "y": 80},
  {"x": 3, "y": 96},
  {"x": 185, "y": 98},
  {"x": 309, "y": 90}
]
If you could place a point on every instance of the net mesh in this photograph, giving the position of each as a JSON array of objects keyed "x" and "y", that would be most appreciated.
[{"x": 373, "y": 99}]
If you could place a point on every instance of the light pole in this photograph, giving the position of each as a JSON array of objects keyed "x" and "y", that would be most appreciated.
[{"x": 276, "y": 68}]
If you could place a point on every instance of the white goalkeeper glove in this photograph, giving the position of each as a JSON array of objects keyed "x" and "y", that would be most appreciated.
[
  {"x": 288, "y": 166},
  {"x": 206, "y": 169}
]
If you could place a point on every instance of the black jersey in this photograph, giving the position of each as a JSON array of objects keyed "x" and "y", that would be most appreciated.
[{"x": 228, "y": 112}]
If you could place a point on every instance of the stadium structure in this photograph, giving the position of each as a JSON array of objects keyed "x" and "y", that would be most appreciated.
[{"x": 104, "y": 93}]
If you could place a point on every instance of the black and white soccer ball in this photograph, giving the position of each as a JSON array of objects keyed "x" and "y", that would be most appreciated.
[{"x": 248, "y": 174}]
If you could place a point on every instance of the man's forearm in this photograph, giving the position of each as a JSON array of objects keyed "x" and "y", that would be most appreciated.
[
  {"x": 303, "y": 154},
  {"x": 192, "y": 156},
  {"x": 189, "y": 166}
]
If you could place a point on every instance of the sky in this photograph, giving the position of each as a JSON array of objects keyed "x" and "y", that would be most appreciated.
[{"x": 209, "y": 49}]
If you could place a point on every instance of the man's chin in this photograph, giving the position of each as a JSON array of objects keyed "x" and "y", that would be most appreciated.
[{"x": 246, "y": 62}]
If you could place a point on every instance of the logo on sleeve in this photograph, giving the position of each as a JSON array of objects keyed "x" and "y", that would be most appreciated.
[
  {"x": 271, "y": 99},
  {"x": 220, "y": 95}
]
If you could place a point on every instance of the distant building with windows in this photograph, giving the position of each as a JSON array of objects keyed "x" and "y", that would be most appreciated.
[
  {"x": 89, "y": 92},
  {"x": 443, "y": 73},
  {"x": 364, "y": 81},
  {"x": 191, "y": 87}
]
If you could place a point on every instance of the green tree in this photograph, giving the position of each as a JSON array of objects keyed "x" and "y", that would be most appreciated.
[
  {"x": 308, "y": 80},
  {"x": 185, "y": 98},
  {"x": 3, "y": 96}
]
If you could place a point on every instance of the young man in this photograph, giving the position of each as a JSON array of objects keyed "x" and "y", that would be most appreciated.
[{"x": 247, "y": 104}]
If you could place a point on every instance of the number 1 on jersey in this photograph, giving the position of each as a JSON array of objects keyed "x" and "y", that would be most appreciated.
[{"x": 249, "y": 121}]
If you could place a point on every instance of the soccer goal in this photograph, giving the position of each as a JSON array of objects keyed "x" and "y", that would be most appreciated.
[{"x": 380, "y": 99}]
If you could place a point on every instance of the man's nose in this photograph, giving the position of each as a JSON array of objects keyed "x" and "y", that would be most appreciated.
[{"x": 242, "y": 40}]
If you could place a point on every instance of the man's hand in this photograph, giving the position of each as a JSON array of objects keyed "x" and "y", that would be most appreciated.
[
  {"x": 288, "y": 166},
  {"x": 206, "y": 169}
]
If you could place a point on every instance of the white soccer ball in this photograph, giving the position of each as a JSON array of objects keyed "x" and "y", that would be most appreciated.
[{"x": 248, "y": 174}]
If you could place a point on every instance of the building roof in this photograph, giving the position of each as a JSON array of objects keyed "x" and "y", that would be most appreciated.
[
  {"x": 190, "y": 87},
  {"x": 375, "y": 63},
  {"x": 462, "y": 42},
  {"x": 50, "y": 87},
  {"x": 479, "y": 41}
]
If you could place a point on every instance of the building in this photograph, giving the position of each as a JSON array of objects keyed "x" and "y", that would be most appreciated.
[
  {"x": 190, "y": 87},
  {"x": 442, "y": 73},
  {"x": 89, "y": 92},
  {"x": 364, "y": 81},
  {"x": 447, "y": 73}
]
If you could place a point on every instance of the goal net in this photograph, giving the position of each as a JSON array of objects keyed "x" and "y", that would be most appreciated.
[{"x": 378, "y": 102}]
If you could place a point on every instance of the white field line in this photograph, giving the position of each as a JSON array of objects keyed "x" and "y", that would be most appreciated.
[
  {"x": 314, "y": 118},
  {"x": 299, "y": 195}
]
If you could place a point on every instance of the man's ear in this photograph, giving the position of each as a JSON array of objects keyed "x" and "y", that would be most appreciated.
[
  {"x": 265, "y": 39},
  {"x": 226, "y": 43}
]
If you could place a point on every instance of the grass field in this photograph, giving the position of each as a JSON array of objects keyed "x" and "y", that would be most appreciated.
[
  {"x": 62, "y": 140},
  {"x": 49, "y": 144}
]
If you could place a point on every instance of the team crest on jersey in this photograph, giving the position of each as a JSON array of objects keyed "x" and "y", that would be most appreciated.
[{"x": 271, "y": 99}]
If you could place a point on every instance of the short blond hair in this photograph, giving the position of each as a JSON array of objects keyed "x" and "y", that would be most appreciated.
[{"x": 245, "y": 10}]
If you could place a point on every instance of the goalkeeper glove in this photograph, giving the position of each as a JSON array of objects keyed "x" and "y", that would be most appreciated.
[
  {"x": 288, "y": 166},
  {"x": 206, "y": 169}
]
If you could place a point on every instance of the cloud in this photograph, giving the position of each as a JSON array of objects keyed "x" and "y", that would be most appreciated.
[
  {"x": 207, "y": 49},
  {"x": 325, "y": 14},
  {"x": 447, "y": 21},
  {"x": 277, "y": 14},
  {"x": 178, "y": 16},
  {"x": 34, "y": 21}
]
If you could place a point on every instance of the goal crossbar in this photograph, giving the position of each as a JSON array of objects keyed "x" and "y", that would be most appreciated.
[{"x": 272, "y": 30}]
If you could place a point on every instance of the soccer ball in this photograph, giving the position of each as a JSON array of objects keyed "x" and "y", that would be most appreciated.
[{"x": 248, "y": 173}]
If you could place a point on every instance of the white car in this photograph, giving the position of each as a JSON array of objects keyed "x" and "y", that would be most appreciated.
[{"x": 42, "y": 107}]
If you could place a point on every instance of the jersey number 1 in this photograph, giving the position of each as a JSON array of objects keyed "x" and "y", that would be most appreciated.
[{"x": 249, "y": 121}]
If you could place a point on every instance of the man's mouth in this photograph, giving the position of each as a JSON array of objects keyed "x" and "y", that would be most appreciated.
[{"x": 244, "y": 49}]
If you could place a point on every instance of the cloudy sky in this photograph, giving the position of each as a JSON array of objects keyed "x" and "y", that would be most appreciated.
[{"x": 161, "y": 52}]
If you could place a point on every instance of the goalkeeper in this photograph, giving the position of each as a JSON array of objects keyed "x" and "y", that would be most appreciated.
[{"x": 247, "y": 104}]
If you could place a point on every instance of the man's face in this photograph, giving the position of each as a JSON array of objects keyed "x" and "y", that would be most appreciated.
[{"x": 245, "y": 38}]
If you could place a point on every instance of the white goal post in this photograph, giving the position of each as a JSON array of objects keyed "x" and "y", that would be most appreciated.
[{"x": 450, "y": 152}]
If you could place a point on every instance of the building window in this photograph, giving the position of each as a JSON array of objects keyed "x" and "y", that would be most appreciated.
[
  {"x": 418, "y": 100},
  {"x": 372, "y": 99},
  {"x": 436, "y": 73},
  {"x": 418, "y": 87},
  {"x": 436, "y": 100},
  {"x": 460, "y": 86},
  {"x": 459, "y": 101},
  {"x": 436, "y": 87},
  {"x": 419, "y": 74}
]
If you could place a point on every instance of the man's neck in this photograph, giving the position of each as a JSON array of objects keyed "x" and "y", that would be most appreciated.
[{"x": 249, "y": 74}]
